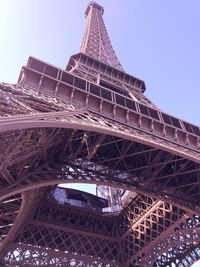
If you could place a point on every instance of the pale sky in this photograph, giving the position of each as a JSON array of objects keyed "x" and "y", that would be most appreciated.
[
  {"x": 196, "y": 264},
  {"x": 156, "y": 41}
]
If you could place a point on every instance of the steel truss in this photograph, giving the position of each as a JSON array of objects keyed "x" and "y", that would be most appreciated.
[
  {"x": 41, "y": 157},
  {"x": 91, "y": 123}
]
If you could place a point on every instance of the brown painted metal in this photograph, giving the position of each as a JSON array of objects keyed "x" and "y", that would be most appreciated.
[{"x": 91, "y": 123}]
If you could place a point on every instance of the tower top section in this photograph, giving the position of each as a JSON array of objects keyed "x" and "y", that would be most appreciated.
[
  {"x": 93, "y": 5},
  {"x": 96, "y": 42}
]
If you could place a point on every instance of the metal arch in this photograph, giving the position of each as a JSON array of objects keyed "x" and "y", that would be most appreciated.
[
  {"x": 56, "y": 99},
  {"x": 34, "y": 256},
  {"x": 55, "y": 227},
  {"x": 15, "y": 225},
  {"x": 181, "y": 256},
  {"x": 178, "y": 238},
  {"x": 25, "y": 208},
  {"x": 9, "y": 215},
  {"x": 190, "y": 257},
  {"x": 39, "y": 226},
  {"x": 83, "y": 120},
  {"x": 76, "y": 176},
  {"x": 142, "y": 186}
]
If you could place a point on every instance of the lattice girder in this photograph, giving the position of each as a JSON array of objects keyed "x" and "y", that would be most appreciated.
[
  {"x": 79, "y": 146},
  {"x": 37, "y": 256},
  {"x": 50, "y": 228},
  {"x": 71, "y": 232},
  {"x": 54, "y": 237},
  {"x": 168, "y": 133},
  {"x": 184, "y": 241},
  {"x": 91, "y": 123},
  {"x": 134, "y": 169},
  {"x": 189, "y": 257},
  {"x": 73, "y": 218},
  {"x": 99, "y": 73},
  {"x": 144, "y": 222},
  {"x": 21, "y": 206},
  {"x": 96, "y": 41}
]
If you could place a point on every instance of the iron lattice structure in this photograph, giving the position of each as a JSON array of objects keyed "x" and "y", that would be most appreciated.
[{"x": 91, "y": 123}]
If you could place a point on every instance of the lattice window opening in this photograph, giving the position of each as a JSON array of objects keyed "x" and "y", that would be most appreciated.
[
  {"x": 104, "y": 200},
  {"x": 34, "y": 256},
  {"x": 171, "y": 260},
  {"x": 180, "y": 256},
  {"x": 186, "y": 236},
  {"x": 69, "y": 242},
  {"x": 90, "y": 169}
]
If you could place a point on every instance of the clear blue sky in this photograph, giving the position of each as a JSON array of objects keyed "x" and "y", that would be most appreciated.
[{"x": 157, "y": 41}]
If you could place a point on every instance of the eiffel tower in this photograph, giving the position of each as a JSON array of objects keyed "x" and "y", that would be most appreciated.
[{"x": 91, "y": 123}]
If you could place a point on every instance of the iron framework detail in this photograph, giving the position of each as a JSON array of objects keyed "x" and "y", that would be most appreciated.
[{"x": 92, "y": 123}]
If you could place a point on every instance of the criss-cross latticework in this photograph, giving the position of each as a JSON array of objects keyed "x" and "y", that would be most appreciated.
[
  {"x": 96, "y": 41},
  {"x": 91, "y": 123}
]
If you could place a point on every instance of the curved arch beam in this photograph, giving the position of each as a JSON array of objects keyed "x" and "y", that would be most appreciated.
[
  {"x": 180, "y": 237},
  {"x": 80, "y": 119},
  {"x": 27, "y": 199},
  {"x": 190, "y": 257},
  {"x": 52, "y": 182}
]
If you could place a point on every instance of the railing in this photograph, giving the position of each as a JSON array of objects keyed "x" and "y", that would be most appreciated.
[{"x": 47, "y": 79}]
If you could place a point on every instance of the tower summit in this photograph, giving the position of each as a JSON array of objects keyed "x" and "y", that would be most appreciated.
[
  {"x": 97, "y": 60},
  {"x": 96, "y": 42},
  {"x": 91, "y": 123}
]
